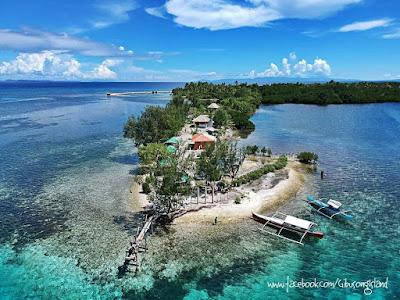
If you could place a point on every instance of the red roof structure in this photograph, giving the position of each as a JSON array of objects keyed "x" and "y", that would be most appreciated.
[{"x": 201, "y": 140}]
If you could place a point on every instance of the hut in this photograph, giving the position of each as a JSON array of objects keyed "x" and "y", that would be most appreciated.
[
  {"x": 213, "y": 106},
  {"x": 201, "y": 140},
  {"x": 202, "y": 121}
]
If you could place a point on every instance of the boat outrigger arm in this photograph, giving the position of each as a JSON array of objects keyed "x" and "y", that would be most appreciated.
[
  {"x": 290, "y": 220},
  {"x": 342, "y": 212}
]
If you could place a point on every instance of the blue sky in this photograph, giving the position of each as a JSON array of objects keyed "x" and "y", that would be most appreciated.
[{"x": 181, "y": 40}]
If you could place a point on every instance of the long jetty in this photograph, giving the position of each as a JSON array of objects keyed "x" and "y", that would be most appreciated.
[{"x": 137, "y": 93}]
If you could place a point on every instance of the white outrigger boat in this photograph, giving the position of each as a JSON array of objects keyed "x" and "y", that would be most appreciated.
[
  {"x": 286, "y": 223},
  {"x": 330, "y": 209}
]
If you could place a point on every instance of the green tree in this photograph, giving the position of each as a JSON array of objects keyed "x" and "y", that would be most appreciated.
[
  {"x": 153, "y": 153},
  {"x": 221, "y": 118},
  {"x": 251, "y": 150},
  {"x": 169, "y": 188},
  {"x": 155, "y": 124},
  {"x": 307, "y": 157}
]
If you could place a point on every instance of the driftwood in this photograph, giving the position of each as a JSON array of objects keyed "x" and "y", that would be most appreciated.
[{"x": 181, "y": 212}]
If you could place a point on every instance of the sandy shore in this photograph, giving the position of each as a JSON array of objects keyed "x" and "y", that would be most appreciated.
[
  {"x": 138, "y": 199},
  {"x": 254, "y": 199}
]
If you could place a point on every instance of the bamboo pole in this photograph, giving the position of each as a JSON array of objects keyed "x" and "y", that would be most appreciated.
[{"x": 212, "y": 192}]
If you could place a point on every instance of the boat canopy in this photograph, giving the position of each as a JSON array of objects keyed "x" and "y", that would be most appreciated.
[
  {"x": 275, "y": 220},
  {"x": 298, "y": 222},
  {"x": 334, "y": 203}
]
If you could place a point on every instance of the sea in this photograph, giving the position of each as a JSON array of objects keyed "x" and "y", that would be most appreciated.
[{"x": 66, "y": 209}]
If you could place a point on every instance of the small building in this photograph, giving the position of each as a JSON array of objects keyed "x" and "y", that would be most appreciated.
[
  {"x": 174, "y": 141},
  {"x": 201, "y": 140},
  {"x": 213, "y": 106},
  {"x": 202, "y": 121}
]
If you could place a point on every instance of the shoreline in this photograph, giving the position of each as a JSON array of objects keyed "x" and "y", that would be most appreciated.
[
  {"x": 257, "y": 201},
  {"x": 138, "y": 199}
]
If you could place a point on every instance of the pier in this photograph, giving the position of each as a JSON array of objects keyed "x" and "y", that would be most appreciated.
[
  {"x": 138, "y": 245},
  {"x": 138, "y": 93}
]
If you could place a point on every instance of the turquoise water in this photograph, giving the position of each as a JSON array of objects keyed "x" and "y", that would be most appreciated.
[{"x": 65, "y": 217}]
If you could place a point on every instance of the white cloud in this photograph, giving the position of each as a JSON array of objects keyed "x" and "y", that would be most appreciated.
[
  {"x": 292, "y": 55},
  {"x": 302, "y": 67},
  {"x": 366, "y": 25},
  {"x": 299, "y": 69},
  {"x": 305, "y": 9},
  {"x": 321, "y": 66},
  {"x": 113, "y": 12},
  {"x": 59, "y": 65},
  {"x": 103, "y": 70},
  {"x": 55, "y": 65},
  {"x": 34, "y": 41},
  {"x": 391, "y": 76},
  {"x": 392, "y": 35},
  {"x": 156, "y": 11},
  {"x": 218, "y": 14},
  {"x": 286, "y": 67},
  {"x": 224, "y": 14}
]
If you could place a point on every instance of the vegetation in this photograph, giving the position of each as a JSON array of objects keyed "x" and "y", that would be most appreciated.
[
  {"x": 146, "y": 188},
  {"x": 169, "y": 186},
  {"x": 331, "y": 93},
  {"x": 237, "y": 102},
  {"x": 152, "y": 153},
  {"x": 280, "y": 163},
  {"x": 217, "y": 160},
  {"x": 307, "y": 157},
  {"x": 221, "y": 118},
  {"x": 251, "y": 150},
  {"x": 156, "y": 124},
  {"x": 266, "y": 151},
  {"x": 238, "y": 200}
]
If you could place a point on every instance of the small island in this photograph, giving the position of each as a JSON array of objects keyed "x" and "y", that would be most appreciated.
[{"x": 191, "y": 167}]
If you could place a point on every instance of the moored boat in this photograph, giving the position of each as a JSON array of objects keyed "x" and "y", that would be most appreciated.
[
  {"x": 286, "y": 223},
  {"x": 330, "y": 209}
]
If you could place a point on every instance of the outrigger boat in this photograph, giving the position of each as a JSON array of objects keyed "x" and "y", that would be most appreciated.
[
  {"x": 286, "y": 223},
  {"x": 329, "y": 209}
]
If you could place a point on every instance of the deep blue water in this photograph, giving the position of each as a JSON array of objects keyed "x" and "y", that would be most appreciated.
[{"x": 65, "y": 172}]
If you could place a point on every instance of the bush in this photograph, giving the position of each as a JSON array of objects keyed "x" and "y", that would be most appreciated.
[
  {"x": 237, "y": 200},
  {"x": 280, "y": 163},
  {"x": 146, "y": 188},
  {"x": 251, "y": 149},
  {"x": 307, "y": 157}
]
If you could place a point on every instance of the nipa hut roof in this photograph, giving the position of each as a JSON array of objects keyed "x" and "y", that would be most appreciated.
[
  {"x": 201, "y": 119},
  {"x": 213, "y": 106}
]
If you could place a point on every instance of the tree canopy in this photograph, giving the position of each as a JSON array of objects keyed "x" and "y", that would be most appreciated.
[
  {"x": 307, "y": 157},
  {"x": 155, "y": 124}
]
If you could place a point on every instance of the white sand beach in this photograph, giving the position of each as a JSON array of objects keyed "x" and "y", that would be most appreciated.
[{"x": 253, "y": 200}]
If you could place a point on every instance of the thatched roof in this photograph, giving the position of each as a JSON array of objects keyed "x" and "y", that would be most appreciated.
[
  {"x": 201, "y": 119},
  {"x": 213, "y": 106}
]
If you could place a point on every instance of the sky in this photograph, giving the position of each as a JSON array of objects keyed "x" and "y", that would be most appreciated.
[{"x": 184, "y": 40}]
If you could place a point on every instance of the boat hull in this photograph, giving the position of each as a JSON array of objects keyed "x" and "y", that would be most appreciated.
[{"x": 263, "y": 219}]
